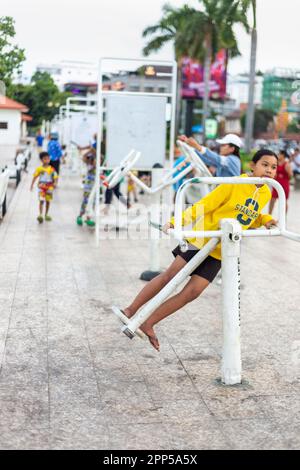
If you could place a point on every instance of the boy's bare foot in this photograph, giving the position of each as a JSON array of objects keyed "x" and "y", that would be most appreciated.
[
  {"x": 151, "y": 336},
  {"x": 147, "y": 329},
  {"x": 128, "y": 312}
]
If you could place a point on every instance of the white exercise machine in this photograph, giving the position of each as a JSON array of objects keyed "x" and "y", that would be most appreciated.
[
  {"x": 134, "y": 119},
  {"x": 230, "y": 234}
]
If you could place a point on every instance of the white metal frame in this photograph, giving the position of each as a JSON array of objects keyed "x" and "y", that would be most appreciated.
[
  {"x": 102, "y": 94},
  {"x": 195, "y": 158},
  {"x": 281, "y": 230},
  {"x": 114, "y": 177},
  {"x": 4, "y": 179},
  {"x": 230, "y": 234}
]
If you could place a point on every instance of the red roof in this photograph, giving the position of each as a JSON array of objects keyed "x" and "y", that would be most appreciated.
[{"x": 7, "y": 103}]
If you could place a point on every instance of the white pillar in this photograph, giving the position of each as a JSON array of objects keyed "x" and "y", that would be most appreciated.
[
  {"x": 231, "y": 247},
  {"x": 155, "y": 216},
  {"x": 157, "y": 175}
]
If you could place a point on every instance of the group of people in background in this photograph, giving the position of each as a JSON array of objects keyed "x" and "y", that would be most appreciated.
[
  {"x": 227, "y": 163},
  {"x": 224, "y": 163}
]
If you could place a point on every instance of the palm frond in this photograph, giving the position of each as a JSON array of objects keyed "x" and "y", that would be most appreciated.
[{"x": 157, "y": 43}]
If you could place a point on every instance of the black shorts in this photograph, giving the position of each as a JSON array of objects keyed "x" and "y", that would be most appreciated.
[{"x": 208, "y": 269}]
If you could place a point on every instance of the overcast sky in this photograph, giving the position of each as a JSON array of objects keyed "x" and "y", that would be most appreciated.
[{"x": 55, "y": 30}]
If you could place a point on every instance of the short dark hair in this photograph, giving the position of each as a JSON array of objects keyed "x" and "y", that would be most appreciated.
[
  {"x": 285, "y": 153},
  {"x": 263, "y": 152},
  {"x": 44, "y": 154}
]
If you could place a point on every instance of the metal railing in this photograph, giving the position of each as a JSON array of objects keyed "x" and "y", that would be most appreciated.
[{"x": 180, "y": 234}]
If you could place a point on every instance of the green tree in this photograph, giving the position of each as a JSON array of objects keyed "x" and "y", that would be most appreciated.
[
  {"x": 42, "y": 97},
  {"x": 262, "y": 119},
  {"x": 294, "y": 126},
  {"x": 198, "y": 33},
  {"x": 11, "y": 56},
  {"x": 170, "y": 28}
]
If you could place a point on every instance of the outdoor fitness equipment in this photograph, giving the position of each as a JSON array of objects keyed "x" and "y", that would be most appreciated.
[
  {"x": 160, "y": 182},
  {"x": 122, "y": 170},
  {"x": 4, "y": 179},
  {"x": 202, "y": 169},
  {"x": 230, "y": 234},
  {"x": 113, "y": 178},
  {"x": 138, "y": 114}
]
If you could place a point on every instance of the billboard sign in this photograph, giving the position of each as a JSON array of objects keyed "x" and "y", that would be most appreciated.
[
  {"x": 211, "y": 128},
  {"x": 193, "y": 77}
]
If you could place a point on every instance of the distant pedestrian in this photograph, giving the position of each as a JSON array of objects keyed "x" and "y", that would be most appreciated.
[
  {"x": 283, "y": 176},
  {"x": 39, "y": 141},
  {"x": 89, "y": 182},
  {"x": 47, "y": 177},
  {"x": 180, "y": 164},
  {"x": 131, "y": 187},
  {"x": 296, "y": 162},
  {"x": 55, "y": 151}
]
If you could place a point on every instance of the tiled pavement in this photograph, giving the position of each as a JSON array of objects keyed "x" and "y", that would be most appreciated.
[{"x": 70, "y": 380}]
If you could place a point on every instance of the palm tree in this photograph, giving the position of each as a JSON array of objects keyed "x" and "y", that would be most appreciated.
[
  {"x": 199, "y": 34},
  {"x": 251, "y": 105},
  {"x": 171, "y": 28}
]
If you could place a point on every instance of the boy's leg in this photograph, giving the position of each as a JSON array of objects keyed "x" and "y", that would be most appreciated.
[
  {"x": 154, "y": 286},
  {"x": 107, "y": 200},
  {"x": 120, "y": 196},
  {"x": 47, "y": 207},
  {"x": 40, "y": 216},
  {"x": 190, "y": 292},
  {"x": 41, "y": 205},
  {"x": 84, "y": 203}
]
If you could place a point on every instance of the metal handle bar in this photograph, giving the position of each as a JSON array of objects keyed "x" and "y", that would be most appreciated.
[
  {"x": 124, "y": 168},
  {"x": 194, "y": 158},
  {"x": 281, "y": 230}
]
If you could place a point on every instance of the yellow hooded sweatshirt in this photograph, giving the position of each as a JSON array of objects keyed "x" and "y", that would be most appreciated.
[{"x": 243, "y": 202}]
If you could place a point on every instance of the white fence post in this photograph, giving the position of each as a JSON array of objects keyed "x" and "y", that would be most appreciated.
[
  {"x": 154, "y": 265},
  {"x": 231, "y": 247}
]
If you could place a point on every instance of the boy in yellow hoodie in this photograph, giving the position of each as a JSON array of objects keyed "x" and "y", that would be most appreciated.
[{"x": 243, "y": 202}]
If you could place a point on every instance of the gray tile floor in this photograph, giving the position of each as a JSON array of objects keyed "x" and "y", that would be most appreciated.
[{"x": 70, "y": 380}]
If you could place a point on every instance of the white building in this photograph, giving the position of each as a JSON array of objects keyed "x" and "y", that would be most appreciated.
[
  {"x": 70, "y": 71},
  {"x": 238, "y": 88},
  {"x": 12, "y": 128}
]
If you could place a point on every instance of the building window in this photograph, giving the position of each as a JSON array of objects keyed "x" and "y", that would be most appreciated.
[
  {"x": 149, "y": 89},
  {"x": 3, "y": 125},
  {"x": 162, "y": 90}
]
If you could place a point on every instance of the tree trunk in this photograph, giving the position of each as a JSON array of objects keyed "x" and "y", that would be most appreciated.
[
  {"x": 189, "y": 117},
  {"x": 251, "y": 95},
  {"x": 207, "y": 65}
]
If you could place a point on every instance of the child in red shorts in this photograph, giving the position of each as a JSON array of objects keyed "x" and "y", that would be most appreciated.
[{"x": 47, "y": 182}]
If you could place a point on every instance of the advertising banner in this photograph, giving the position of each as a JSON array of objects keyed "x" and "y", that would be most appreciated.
[{"x": 193, "y": 77}]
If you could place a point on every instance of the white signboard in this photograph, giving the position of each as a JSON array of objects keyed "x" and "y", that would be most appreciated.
[
  {"x": 83, "y": 127},
  {"x": 136, "y": 122}
]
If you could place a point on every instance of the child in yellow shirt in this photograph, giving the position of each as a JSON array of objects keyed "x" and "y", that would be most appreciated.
[
  {"x": 243, "y": 202},
  {"x": 47, "y": 177}
]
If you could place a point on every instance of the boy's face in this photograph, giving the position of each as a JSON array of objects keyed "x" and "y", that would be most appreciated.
[
  {"x": 266, "y": 167},
  {"x": 46, "y": 160}
]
